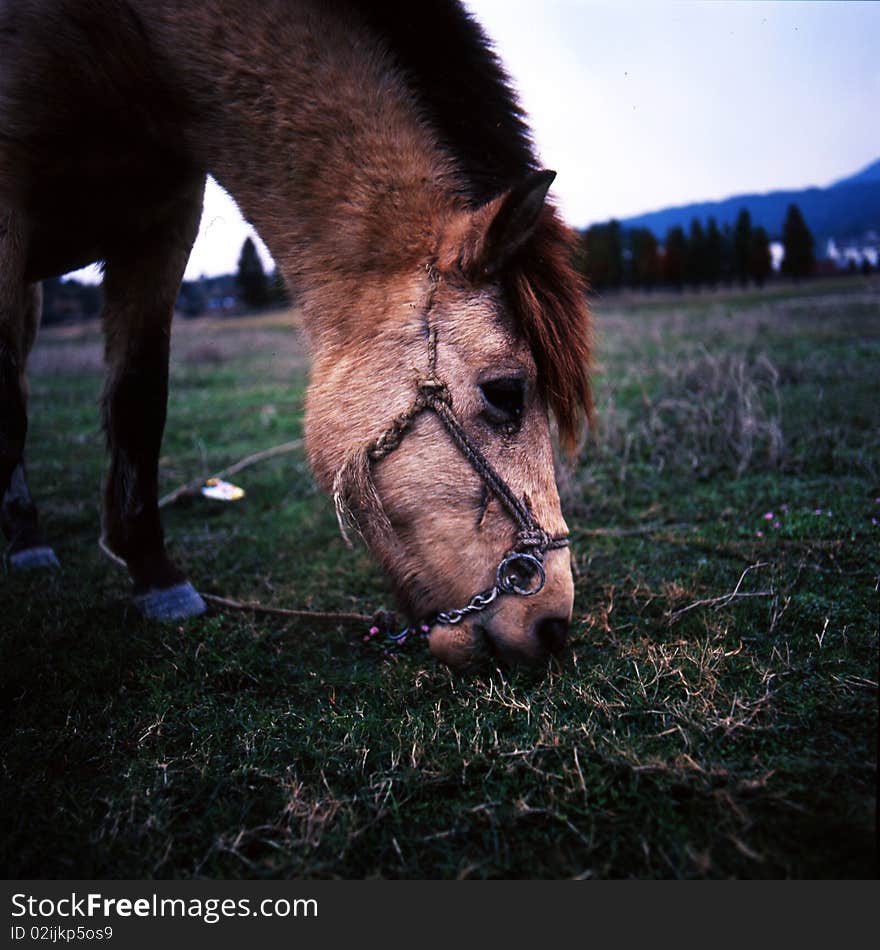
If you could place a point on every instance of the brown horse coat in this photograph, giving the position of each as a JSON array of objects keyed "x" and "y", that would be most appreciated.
[{"x": 377, "y": 148}]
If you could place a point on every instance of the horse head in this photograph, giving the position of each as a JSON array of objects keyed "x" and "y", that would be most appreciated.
[{"x": 430, "y": 425}]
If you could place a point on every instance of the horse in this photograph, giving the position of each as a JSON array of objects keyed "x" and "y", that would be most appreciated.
[{"x": 380, "y": 151}]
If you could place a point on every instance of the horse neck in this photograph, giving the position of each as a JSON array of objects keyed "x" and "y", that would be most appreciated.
[{"x": 313, "y": 133}]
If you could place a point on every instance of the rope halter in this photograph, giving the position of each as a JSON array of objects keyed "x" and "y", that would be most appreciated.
[{"x": 521, "y": 571}]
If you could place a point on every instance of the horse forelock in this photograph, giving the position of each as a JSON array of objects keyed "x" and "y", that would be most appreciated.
[{"x": 548, "y": 299}]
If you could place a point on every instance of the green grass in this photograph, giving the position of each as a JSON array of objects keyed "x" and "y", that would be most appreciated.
[{"x": 691, "y": 733}]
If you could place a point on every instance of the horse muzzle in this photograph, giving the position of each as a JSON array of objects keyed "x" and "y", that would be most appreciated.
[{"x": 515, "y": 630}]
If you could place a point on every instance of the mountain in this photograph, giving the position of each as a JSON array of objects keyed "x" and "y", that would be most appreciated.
[
  {"x": 871, "y": 173},
  {"x": 846, "y": 208}
]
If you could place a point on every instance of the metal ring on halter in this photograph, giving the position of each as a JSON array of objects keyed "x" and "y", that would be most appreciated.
[{"x": 507, "y": 580}]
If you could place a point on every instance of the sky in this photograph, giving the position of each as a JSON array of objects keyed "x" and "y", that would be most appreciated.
[{"x": 643, "y": 104}]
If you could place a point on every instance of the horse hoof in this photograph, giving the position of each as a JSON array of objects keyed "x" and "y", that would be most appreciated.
[
  {"x": 34, "y": 558},
  {"x": 171, "y": 603}
]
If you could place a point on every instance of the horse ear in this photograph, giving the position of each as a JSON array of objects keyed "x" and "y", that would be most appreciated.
[{"x": 514, "y": 220}]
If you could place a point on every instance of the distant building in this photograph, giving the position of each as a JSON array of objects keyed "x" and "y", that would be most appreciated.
[
  {"x": 853, "y": 252},
  {"x": 777, "y": 252}
]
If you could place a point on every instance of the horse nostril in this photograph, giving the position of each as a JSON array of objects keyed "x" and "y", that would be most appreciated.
[{"x": 552, "y": 633}]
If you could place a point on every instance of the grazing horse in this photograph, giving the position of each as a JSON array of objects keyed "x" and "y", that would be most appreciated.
[{"x": 377, "y": 147}]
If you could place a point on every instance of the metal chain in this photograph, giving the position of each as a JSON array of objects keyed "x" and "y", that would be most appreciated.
[{"x": 477, "y": 603}]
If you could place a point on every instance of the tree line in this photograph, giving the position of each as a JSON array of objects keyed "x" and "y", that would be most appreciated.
[
  {"x": 257, "y": 290},
  {"x": 250, "y": 289},
  {"x": 610, "y": 256}
]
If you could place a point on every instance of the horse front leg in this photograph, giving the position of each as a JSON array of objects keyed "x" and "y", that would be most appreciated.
[
  {"x": 20, "y": 305},
  {"x": 20, "y": 522},
  {"x": 140, "y": 288},
  {"x": 13, "y": 411}
]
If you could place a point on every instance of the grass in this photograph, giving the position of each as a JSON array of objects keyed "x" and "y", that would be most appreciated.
[{"x": 718, "y": 714}]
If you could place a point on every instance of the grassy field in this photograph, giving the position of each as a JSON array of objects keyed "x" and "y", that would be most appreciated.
[{"x": 717, "y": 717}]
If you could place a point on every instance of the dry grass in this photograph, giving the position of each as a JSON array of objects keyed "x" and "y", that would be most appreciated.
[
  {"x": 78, "y": 350},
  {"x": 702, "y": 415}
]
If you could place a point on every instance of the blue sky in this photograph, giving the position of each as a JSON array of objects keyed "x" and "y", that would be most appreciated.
[
  {"x": 641, "y": 105},
  {"x": 645, "y": 105}
]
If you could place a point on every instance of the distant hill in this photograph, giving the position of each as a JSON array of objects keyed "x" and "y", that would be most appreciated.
[
  {"x": 847, "y": 208},
  {"x": 871, "y": 173}
]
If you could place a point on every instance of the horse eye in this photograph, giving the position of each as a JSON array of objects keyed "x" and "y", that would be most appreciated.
[{"x": 504, "y": 399}]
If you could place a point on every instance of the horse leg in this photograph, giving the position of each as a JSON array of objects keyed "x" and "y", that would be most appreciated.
[
  {"x": 18, "y": 513},
  {"x": 19, "y": 315},
  {"x": 140, "y": 287}
]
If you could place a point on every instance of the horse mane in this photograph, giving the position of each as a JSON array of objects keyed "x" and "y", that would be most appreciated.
[
  {"x": 466, "y": 98},
  {"x": 549, "y": 301},
  {"x": 461, "y": 87}
]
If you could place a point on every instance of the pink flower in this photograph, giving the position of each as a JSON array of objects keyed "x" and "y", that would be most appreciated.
[
  {"x": 373, "y": 631},
  {"x": 768, "y": 516},
  {"x": 776, "y": 524},
  {"x": 760, "y": 534}
]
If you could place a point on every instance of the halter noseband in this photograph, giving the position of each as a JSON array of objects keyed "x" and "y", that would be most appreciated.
[{"x": 521, "y": 571}]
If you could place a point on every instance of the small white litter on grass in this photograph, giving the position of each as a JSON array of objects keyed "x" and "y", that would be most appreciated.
[{"x": 219, "y": 490}]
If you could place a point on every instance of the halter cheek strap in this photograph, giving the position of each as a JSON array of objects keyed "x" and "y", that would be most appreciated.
[{"x": 521, "y": 570}]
